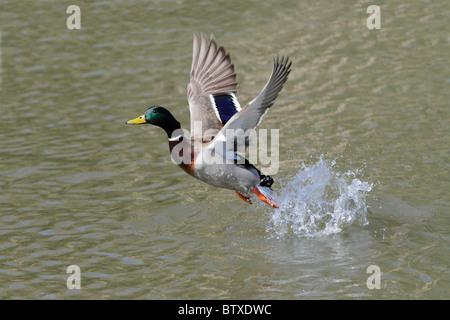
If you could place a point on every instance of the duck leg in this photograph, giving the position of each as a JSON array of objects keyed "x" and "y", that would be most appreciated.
[
  {"x": 245, "y": 198},
  {"x": 263, "y": 198}
]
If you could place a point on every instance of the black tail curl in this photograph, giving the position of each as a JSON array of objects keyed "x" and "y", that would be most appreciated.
[{"x": 266, "y": 181}]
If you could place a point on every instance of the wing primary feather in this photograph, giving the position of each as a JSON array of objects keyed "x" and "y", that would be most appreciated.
[{"x": 212, "y": 73}]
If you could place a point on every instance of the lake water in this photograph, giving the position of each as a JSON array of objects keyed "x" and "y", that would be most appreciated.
[{"x": 364, "y": 153}]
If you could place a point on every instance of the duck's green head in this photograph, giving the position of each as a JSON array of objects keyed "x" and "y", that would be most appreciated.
[{"x": 158, "y": 116}]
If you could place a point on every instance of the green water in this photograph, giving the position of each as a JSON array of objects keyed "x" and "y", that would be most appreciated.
[{"x": 79, "y": 187}]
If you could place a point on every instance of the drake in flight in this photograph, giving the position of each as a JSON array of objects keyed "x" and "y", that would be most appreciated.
[{"x": 219, "y": 126}]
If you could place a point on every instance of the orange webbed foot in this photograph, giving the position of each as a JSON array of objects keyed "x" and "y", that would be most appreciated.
[
  {"x": 264, "y": 199},
  {"x": 246, "y": 199}
]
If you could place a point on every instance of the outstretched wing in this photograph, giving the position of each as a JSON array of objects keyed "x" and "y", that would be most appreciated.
[
  {"x": 212, "y": 89},
  {"x": 251, "y": 115},
  {"x": 236, "y": 132}
]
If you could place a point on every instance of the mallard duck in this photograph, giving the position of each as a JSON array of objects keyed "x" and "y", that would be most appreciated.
[{"x": 216, "y": 117}]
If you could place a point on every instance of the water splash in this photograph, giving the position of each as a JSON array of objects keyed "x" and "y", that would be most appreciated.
[{"x": 319, "y": 201}]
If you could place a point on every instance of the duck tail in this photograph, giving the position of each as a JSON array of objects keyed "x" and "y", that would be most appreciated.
[{"x": 266, "y": 181}]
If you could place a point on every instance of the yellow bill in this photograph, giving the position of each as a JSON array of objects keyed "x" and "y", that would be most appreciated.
[{"x": 138, "y": 120}]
